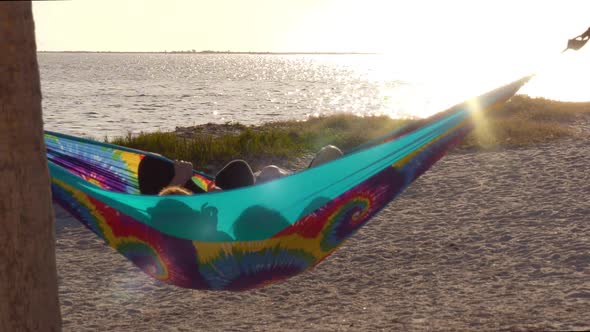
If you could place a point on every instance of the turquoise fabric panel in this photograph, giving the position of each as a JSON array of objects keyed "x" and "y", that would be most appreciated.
[
  {"x": 288, "y": 196},
  {"x": 283, "y": 199}
]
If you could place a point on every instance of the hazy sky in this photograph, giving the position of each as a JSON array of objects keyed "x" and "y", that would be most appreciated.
[
  {"x": 465, "y": 34},
  {"x": 306, "y": 25}
]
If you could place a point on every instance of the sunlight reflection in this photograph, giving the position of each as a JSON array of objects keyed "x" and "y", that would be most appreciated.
[
  {"x": 420, "y": 89},
  {"x": 482, "y": 131},
  {"x": 565, "y": 77}
]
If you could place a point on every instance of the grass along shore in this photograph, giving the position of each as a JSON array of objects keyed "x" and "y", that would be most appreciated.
[{"x": 522, "y": 121}]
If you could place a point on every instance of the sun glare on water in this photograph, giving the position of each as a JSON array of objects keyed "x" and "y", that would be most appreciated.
[
  {"x": 427, "y": 87},
  {"x": 447, "y": 60},
  {"x": 416, "y": 89}
]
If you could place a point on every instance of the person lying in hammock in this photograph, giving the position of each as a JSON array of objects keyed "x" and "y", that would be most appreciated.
[
  {"x": 271, "y": 172},
  {"x": 156, "y": 175}
]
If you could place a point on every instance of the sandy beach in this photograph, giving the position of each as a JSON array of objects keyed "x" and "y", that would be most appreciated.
[{"x": 496, "y": 240}]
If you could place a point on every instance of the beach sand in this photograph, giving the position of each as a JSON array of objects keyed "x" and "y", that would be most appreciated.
[{"x": 495, "y": 240}]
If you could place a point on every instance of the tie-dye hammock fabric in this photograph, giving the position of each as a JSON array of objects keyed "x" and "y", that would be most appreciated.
[{"x": 248, "y": 237}]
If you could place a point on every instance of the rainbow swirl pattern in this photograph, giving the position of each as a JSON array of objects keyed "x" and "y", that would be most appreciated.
[{"x": 235, "y": 265}]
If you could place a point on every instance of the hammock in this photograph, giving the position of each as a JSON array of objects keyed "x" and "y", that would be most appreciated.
[{"x": 253, "y": 236}]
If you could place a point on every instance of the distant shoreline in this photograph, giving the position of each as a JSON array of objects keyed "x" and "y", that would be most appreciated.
[{"x": 217, "y": 52}]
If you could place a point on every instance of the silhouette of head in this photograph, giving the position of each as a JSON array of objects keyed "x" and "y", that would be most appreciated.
[{"x": 258, "y": 223}]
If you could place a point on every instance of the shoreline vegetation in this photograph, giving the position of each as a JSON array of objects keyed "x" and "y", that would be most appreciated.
[{"x": 523, "y": 121}]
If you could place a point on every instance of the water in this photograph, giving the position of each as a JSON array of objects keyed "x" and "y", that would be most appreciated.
[{"x": 110, "y": 95}]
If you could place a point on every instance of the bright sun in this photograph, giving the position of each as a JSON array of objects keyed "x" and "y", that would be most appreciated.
[{"x": 565, "y": 78}]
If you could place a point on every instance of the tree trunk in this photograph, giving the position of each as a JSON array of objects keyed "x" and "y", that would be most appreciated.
[{"x": 28, "y": 277}]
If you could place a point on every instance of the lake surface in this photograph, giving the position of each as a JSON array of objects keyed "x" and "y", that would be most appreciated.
[{"x": 112, "y": 94}]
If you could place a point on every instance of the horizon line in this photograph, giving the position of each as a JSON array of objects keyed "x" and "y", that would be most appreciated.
[{"x": 213, "y": 52}]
